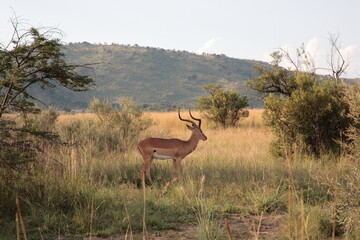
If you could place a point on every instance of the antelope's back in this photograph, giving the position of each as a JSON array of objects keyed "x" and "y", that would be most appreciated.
[{"x": 160, "y": 143}]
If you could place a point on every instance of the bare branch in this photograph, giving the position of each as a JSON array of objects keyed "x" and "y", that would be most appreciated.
[
  {"x": 337, "y": 62},
  {"x": 289, "y": 58}
]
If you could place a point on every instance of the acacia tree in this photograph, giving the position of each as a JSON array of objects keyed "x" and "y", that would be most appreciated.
[
  {"x": 34, "y": 58},
  {"x": 223, "y": 107},
  {"x": 30, "y": 59}
]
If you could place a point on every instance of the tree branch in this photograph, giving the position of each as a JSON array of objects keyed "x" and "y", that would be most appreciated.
[
  {"x": 7, "y": 94},
  {"x": 18, "y": 93},
  {"x": 337, "y": 68}
]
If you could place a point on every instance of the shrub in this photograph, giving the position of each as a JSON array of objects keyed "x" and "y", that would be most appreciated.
[
  {"x": 353, "y": 132},
  {"x": 22, "y": 140},
  {"x": 314, "y": 117},
  {"x": 127, "y": 123},
  {"x": 224, "y": 108},
  {"x": 303, "y": 110}
]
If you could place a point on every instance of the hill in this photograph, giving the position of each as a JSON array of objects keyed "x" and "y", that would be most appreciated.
[{"x": 154, "y": 77}]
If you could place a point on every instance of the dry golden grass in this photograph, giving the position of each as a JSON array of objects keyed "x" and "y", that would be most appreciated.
[
  {"x": 170, "y": 120},
  {"x": 230, "y": 174},
  {"x": 245, "y": 145},
  {"x": 77, "y": 116},
  {"x": 247, "y": 141}
]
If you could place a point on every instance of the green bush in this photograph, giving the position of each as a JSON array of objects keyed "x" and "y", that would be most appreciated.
[
  {"x": 126, "y": 123},
  {"x": 22, "y": 140},
  {"x": 89, "y": 135},
  {"x": 314, "y": 117},
  {"x": 224, "y": 108},
  {"x": 306, "y": 112}
]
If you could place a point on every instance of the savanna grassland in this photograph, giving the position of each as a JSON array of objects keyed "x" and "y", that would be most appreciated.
[{"x": 232, "y": 188}]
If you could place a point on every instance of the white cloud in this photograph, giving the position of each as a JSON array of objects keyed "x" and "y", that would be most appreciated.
[
  {"x": 318, "y": 55},
  {"x": 351, "y": 56},
  {"x": 312, "y": 47},
  {"x": 266, "y": 57},
  {"x": 214, "y": 45},
  {"x": 349, "y": 51}
]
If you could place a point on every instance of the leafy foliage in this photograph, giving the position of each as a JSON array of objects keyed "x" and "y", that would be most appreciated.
[
  {"x": 127, "y": 122},
  {"x": 224, "y": 107},
  {"x": 30, "y": 59},
  {"x": 302, "y": 109},
  {"x": 314, "y": 117},
  {"x": 22, "y": 141},
  {"x": 15, "y": 150},
  {"x": 278, "y": 79},
  {"x": 34, "y": 58},
  {"x": 353, "y": 132}
]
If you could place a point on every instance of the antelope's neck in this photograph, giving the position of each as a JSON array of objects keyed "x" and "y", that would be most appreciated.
[{"x": 192, "y": 142}]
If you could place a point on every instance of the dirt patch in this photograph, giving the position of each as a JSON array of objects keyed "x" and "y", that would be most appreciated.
[{"x": 252, "y": 227}]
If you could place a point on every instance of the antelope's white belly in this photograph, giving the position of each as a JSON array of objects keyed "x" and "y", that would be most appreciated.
[{"x": 158, "y": 156}]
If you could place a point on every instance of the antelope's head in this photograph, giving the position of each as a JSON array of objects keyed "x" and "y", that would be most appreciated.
[{"x": 196, "y": 129}]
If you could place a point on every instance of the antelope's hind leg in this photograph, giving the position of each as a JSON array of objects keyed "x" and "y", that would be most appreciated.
[{"x": 175, "y": 170}]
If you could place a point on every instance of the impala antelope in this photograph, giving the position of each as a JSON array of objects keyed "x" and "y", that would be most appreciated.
[{"x": 174, "y": 149}]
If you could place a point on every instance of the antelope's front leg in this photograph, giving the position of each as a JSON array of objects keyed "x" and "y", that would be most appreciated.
[{"x": 177, "y": 166}]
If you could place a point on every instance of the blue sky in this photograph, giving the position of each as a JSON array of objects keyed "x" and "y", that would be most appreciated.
[{"x": 249, "y": 29}]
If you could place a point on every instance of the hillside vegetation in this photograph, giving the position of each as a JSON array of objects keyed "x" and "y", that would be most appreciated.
[{"x": 154, "y": 77}]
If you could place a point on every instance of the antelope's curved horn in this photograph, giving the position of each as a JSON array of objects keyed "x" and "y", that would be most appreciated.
[
  {"x": 185, "y": 120},
  {"x": 197, "y": 119}
]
